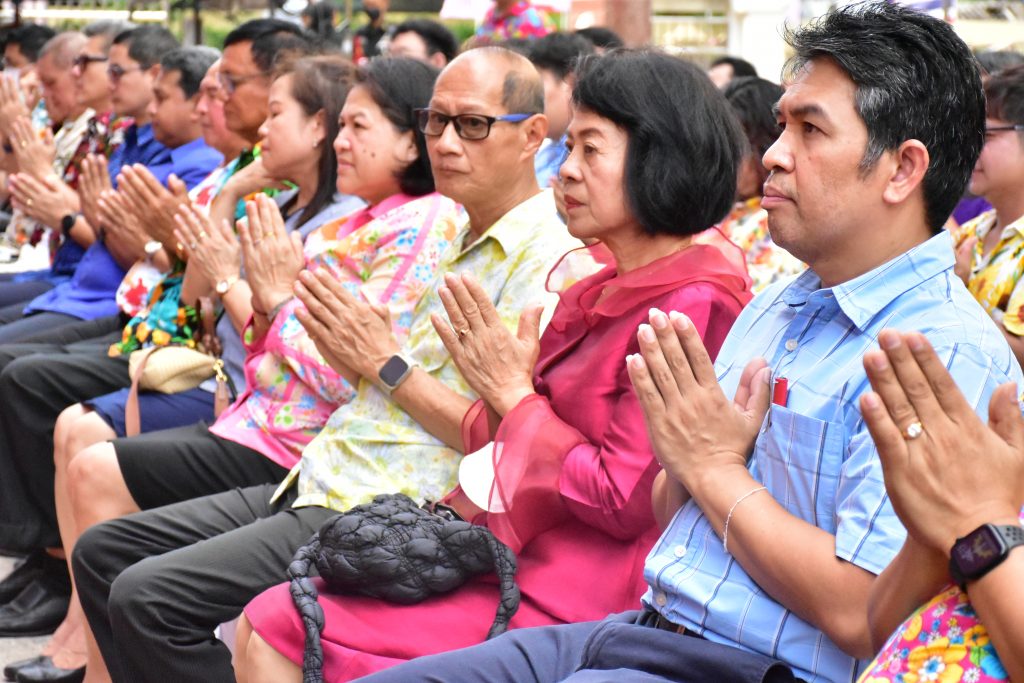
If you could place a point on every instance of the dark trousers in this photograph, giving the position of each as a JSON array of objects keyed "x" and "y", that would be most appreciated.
[
  {"x": 37, "y": 382},
  {"x": 154, "y": 585},
  {"x": 21, "y": 292},
  {"x": 615, "y": 650},
  {"x": 16, "y": 328}
]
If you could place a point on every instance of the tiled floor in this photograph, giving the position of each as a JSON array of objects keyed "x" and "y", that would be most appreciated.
[{"x": 13, "y": 649}]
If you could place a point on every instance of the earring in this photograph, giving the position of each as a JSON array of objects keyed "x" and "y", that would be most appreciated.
[{"x": 316, "y": 143}]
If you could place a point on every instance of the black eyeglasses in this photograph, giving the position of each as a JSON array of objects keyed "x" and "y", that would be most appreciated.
[
  {"x": 230, "y": 83},
  {"x": 467, "y": 126},
  {"x": 83, "y": 60},
  {"x": 989, "y": 130},
  {"x": 116, "y": 72}
]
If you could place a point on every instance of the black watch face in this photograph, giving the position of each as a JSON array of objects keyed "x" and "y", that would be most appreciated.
[
  {"x": 393, "y": 370},
  {"x": 977, "y": 551}
]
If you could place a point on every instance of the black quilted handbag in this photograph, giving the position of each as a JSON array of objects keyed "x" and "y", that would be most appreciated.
[{"x": 396, "y": 551}]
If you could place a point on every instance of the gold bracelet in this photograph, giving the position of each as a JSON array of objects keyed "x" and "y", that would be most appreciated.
[{"x": 725, "y": 530}]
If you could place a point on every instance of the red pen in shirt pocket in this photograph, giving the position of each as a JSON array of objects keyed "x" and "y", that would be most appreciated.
[{"x": 780, "y": 391}]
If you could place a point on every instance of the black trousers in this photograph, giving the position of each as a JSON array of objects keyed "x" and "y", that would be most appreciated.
[
  {"x": 154, "y": 585},
  {"x": 37, "y": 381}
]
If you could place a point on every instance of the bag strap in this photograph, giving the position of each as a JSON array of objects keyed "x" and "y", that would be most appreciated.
[
  {"x": 207, "y": 313},
  {"x": 132, "y": 422}
]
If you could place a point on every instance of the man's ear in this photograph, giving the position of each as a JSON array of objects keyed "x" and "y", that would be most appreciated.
[
  {"x": 535, "y": 129},
  {"x": 908, "y": 165},
  {"x": 152, "y": 72}
]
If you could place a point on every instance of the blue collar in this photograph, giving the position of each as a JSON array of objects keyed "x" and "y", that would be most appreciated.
[{"x": 863, "y": 297}]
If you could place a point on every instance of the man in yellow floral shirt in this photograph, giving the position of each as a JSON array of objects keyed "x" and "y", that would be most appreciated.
[{"x": 400, "y": 433}]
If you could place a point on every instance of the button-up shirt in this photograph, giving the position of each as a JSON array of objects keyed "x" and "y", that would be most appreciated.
[
  {"x": 549, "y": 160},
  {"x": 90, "y": 292},
  {"x": 814, "y": 453},
  {"x": 371, "y": 445}
]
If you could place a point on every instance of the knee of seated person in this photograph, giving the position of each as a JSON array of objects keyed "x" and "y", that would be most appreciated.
[
  {"x": 23, "y": 371},
  {"x": 89, "y": 472},
  {"x": 134, "y": 594},
  {"x": 62, "y": 430},
  {"x": 92, "y": 551}
]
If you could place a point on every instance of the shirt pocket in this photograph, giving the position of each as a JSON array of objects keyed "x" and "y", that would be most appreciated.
[{"x": 799, "y": 459}]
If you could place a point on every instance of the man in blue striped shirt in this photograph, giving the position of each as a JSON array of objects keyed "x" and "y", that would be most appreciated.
[{"x": 772, "y": 497}]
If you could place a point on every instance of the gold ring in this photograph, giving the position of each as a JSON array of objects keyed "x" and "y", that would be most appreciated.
[
  {"x": 913, "y": 430},
  {"x": 202, "y": 235},
  {"x": 24, "y": 144},
  {"x": 463, "y": 332},
  {"x": 28, "y": 202},
  {"x": 180, "y": 247}
]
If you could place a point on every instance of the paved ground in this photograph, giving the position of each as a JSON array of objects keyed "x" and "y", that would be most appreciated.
[{"x": 13, "y": 649}]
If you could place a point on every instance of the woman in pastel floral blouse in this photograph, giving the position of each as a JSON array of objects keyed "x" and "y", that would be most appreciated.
[
  {"x": 955, "y": 487},
  {"x": 385, "y": 253}
]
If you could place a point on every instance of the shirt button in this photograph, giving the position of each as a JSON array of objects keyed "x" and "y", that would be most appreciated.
[
  {"x": 660, "y": 598},
  {"x": 680, "y": 551},
  {"x": 791, "y": 345}
]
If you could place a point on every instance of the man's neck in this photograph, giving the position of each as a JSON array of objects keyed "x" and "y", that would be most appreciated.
[
  {"x": 141, "y": 119},
  {"x": 886, "y": 235},
  {"x": 483, "y": 216}
]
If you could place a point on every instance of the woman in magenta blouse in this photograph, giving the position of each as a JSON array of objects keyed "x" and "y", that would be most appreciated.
[{"x": 558, "y": 421}]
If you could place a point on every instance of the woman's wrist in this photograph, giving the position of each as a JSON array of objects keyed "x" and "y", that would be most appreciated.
[{"x": 504, "y": 401}]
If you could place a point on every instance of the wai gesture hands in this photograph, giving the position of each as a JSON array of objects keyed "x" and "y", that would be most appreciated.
[
  {"x": 496, "y": 363},
  {"x": 694, "y": 428}
]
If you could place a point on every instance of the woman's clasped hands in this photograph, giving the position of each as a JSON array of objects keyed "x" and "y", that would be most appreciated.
[{"x": 273, "y": 257}]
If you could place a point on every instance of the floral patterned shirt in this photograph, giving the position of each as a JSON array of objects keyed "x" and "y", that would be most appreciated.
[
  {"x": 747, "y": 226},
  {"x": 942, "y": 642},
  {"x": 996, "y": 277},
  {"x": 387, "y": 254},
  {"x": 371, "y": 445},
  {"x": 521, "y": 21}
]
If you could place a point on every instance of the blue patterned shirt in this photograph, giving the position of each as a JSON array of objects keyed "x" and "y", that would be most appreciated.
[{"x": 815, "y": 455}]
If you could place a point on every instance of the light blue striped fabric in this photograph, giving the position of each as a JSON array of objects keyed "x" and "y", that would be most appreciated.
[{"x": 815, "y": 455}]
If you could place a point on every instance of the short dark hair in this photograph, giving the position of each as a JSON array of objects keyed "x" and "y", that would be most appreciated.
[
  {"x": 1004, "y": 96},
  {"x": 272, "y": 40},
  {"x": 108, "y": 29},
  {"x": 191, "y": 63},
  {"x": 436, "y": 36},
  {"x": 559, "y": 52},
  {"x": 399, "y": 85},
  {"x": 30, "y": 39},
  {"x": 148, "y": 44},
  {"x": 911, "y": 71},
  {"x": 740, "y": 67},
  {"x": 602, "y": 37},
  {"x": 684, "y": 145},
  {"x": 752, "y": 99},
  {"x": 321, "y": 84},
  {"x": 994, "y": 61}
]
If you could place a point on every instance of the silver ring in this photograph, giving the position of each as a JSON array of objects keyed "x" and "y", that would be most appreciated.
[
  {"x": 463, "y": 333},
  {"x": 913, "y": 430}
]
